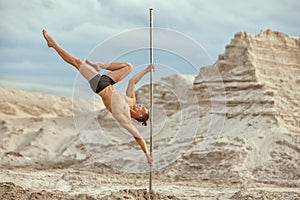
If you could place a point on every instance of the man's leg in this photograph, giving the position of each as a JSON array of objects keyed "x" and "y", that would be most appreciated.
[
  {"x": 119, "y": 70},
  {"x": 86, "y": 71}
]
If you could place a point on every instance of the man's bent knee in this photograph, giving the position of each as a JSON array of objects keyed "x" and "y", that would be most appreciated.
[{"x": 128, "y": 66}]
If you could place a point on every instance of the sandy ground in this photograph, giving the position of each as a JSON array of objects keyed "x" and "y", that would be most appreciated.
[
  {"x": 68, "y": 184},
  {"x": 74, "y": 184},
  {"x": 233, "y": 134}
]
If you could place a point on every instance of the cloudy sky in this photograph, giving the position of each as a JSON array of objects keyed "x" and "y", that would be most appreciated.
[{"x": 80, "y": 25}]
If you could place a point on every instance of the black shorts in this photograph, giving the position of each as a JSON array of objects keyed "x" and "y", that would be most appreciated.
[{"x": 98, "y": 83}]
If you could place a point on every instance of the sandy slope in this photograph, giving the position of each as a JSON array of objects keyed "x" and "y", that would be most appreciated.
[
  {"x": 230, "y": 133},
  {"x": 36, "y": 127},
  {"x": 258, "y": 90}
]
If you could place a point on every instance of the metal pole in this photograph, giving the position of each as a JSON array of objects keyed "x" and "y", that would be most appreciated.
[{"x": 151, "y": 93}]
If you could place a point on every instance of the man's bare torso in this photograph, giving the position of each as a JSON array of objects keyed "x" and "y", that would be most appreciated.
[{"x": 116, "y": 102}]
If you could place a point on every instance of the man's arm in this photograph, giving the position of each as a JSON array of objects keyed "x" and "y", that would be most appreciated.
[
  {"x": 130, "y": 92},
  {"x": 139, "y": 139}
]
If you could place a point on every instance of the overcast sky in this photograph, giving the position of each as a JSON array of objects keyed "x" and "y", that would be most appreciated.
[{"x": 80, "y": 25}]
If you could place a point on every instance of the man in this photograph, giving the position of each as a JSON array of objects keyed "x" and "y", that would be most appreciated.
[{"x": 123, "y": 107}]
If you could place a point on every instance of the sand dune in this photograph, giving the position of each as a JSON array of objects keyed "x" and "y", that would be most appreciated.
[{"x": 232, "y": 132}]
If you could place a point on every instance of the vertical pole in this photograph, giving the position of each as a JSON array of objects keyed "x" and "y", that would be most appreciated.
[{"x": 151, "y": 93}]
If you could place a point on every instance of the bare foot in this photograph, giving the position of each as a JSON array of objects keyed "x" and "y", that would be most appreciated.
[
  {"x": 150, "y": 159},
  {"x": 50, "y": 41},
  {"x": 96, "y": 65}
]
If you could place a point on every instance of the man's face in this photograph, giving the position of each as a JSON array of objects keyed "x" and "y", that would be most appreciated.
[{"x": 141, "y": 109}]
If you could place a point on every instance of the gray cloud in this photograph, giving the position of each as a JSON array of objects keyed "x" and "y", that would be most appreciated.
[{"x": 79, "y": 25}]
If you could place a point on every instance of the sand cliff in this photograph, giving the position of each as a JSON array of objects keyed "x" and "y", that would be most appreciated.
[
  {"x": 260, "y": 87},
  {"x": 232, "y": 132}
]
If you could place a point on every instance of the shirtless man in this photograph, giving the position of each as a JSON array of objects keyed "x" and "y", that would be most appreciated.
[{"x": 123, "y": 107}]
